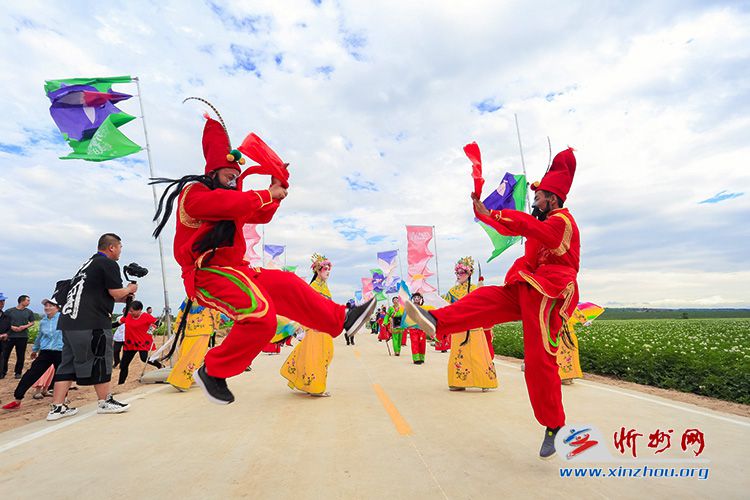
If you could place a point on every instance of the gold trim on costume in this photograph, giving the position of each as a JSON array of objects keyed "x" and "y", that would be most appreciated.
[
  {"x": 264, "y": 203},
  {"x": 565, "y": 244},
  {"x": 185, "y": 219}
]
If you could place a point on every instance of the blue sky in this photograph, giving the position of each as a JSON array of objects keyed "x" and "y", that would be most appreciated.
[{"x": 371, "y": 105}]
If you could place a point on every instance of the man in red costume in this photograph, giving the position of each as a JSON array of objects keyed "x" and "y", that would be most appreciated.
[
  {"x": 540, "y": 290},
  {"x": 210, "y": 248}
]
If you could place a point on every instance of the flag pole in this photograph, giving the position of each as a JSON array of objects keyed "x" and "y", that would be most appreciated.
[
  {"x": 437, "y": 266},
  {"x": 523, "y": 163},
  {"x": 168, "y": 317}
]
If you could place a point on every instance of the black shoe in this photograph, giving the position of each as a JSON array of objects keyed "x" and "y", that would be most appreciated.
[
  {"x": 424, "y": 319},
  {"x": 548, "y": 445},
  {"x": 357, "y": 315},
  {"x": 215, "y": 388}
]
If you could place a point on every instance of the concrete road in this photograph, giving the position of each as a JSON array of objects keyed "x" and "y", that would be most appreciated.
[{"x": 390, "y": 430}]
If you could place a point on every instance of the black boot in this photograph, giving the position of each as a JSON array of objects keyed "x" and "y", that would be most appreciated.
[
  {"x": 215, "y": 388},
  {"x": 548, "y": 445}
]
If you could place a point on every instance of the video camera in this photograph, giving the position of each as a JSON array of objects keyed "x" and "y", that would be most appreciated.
[
  {"x": 135, "y": 271},
  {"x": 131, "y": 271}
]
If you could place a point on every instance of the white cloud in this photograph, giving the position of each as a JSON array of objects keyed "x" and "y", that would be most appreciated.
[{"x": 655, "y": 98}]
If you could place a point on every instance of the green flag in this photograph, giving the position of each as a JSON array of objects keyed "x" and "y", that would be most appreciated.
[
  {"x": 107, "y": 143},
  {"x": 100, "y": 84},
  {"x": 84, "y": 110},
  {"x": 518, "y": 202}
]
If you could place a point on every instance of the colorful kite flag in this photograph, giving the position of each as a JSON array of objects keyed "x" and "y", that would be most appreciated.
[
  {"x": 388, "y": 261},
  {"x": 284, "y": 328},
  {"x": 250, "y": 232},
  {"x": 511, "y": 193},
  {"x": 272, "y": 252},
  {"x": 378, "y": 284},
  {"x": 418, "y": 256},
  {"x": 586, "y": 312},
  {"x": 290, "y": 269},
  {"x": 84, "y": 111},
  {"x": 391, "y": 284}
]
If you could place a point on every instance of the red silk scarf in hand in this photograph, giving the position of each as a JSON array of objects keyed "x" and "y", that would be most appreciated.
[{"x": 472, "y": 152}]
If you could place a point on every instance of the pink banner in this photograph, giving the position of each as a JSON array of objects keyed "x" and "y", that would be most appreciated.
[
  {"x": 250, "y": 232},
  {"x": 418, "y": 256},
  {"x": 366, "y": 288}
]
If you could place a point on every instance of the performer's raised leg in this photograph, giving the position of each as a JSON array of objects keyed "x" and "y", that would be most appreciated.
[
  {"x": 299, "y": 302},
  {"x": 484, "y": 307}
]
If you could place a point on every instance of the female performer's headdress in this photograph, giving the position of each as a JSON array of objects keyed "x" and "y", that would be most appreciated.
[
  {"x": 465, "y": 264},
  {"x": 319, "y": 262}
]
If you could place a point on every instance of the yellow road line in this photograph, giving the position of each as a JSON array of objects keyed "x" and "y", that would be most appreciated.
[{"x": 402, "y": 426}]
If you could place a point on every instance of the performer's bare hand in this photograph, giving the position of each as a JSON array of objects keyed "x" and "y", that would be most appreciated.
[
  {"x": 479, "y": 206},
  {"x": 277, "y": 192}
]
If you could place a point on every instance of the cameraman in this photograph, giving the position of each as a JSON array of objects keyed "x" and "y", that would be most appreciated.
[{"x": 87, "y": 329}]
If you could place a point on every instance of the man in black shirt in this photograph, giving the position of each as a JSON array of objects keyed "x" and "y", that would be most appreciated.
[
  {"x": 87, "y": 329},
  {"x": 21, "y": 319}
]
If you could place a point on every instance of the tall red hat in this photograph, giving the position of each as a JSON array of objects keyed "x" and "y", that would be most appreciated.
[
  {"x": 216, "y": 148},
  {"x": 559, "y": 177}
]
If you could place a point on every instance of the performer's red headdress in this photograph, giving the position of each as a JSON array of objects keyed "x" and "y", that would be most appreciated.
[
  {"x": 559, "y": 177},
  {"x": 216, "y": 148}
]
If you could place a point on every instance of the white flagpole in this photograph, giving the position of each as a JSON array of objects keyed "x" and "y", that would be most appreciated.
[
  {"x": 153, "y": 191},
  {"x": 523, "y": 163}
]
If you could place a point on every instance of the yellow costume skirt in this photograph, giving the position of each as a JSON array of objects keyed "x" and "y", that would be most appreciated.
[
  {"x": 192, "y": 352},
  {"x": 306, "y": 368},
  {"x": 471, "y": 365},
  {"x": 567, "y": 359}
]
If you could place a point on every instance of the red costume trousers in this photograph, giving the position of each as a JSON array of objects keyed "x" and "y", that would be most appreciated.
[
  {"x": 272, "y": 348},
  {"x": 490, "y": 305},
  {"x": 442, "y": 342},
  {"x": 418, "y": 340},
  {"x": 385, "y": 332},
  {"x": 253, "y": 298}
]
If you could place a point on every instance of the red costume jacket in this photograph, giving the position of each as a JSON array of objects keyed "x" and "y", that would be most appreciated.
[
  {"x": 552, "y": 255},
  {"x": 200, "y": 208}
]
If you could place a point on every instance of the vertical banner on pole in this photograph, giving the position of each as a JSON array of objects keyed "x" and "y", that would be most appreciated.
[
  {"x": 252, "y": 238},
  {"x": 418, "y": 257},
  {"x": 367, "y": 291},
  {"x": 388, "y": 261}
]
